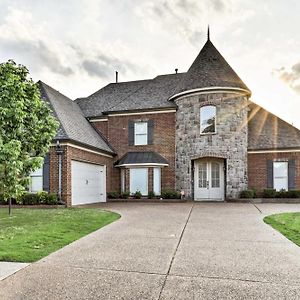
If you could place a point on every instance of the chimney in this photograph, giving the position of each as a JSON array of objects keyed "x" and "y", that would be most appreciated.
[
  {"x": 117, "y": 76},
  {"x": 176, "y": 71}
]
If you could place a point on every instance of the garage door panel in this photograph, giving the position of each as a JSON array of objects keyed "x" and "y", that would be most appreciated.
[{"x": 88, "y": 183}]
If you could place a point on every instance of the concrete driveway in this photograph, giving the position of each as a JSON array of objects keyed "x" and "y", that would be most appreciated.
[{"x": 170, "y": 251}]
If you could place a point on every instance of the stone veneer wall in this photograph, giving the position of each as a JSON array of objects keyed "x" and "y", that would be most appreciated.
[{"x": 230, "y": 141}]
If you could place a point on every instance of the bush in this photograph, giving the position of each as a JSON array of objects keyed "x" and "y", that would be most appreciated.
[
  {"x": 29, "y": 199},
  {"x": 282, "y": 194},
  {"x": 137, "y": 195},
  {"x": 113, "y": 195},
  {"x": 248, "y": 194},
  {"x": 151, "y": 195},
  {"x": 170, "y": 194},
  {"x": 125, "y": 195},
  {"x": 2, "y": 202},
  {"x": 269, "y": 193},
  {"x": 294, "y": 194},
  {"x": 51, "y": 199}
]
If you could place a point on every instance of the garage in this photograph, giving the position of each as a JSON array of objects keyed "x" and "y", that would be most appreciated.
[{"x": 88, "y": 183}]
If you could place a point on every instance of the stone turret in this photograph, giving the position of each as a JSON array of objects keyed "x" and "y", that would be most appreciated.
[{"x": 211, "y": 82}]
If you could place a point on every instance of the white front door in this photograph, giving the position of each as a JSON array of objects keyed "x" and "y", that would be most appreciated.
[
  {"x": 88, "y": 183},
  {"x": 209, "y": 180}
]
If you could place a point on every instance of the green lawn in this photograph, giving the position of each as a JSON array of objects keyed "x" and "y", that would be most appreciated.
[
  {"x": 288, "y": 224},
  {"x": 31, "y": 234}
]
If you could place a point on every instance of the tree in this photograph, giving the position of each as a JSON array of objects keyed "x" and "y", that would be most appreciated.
[{"x": 27, "y": 128}]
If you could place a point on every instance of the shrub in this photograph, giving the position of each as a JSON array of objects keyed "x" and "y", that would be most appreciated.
[
  {"x": 269, "y": 193},
  {"x": 151, "y": 195},
  {"x": 113, "y": 195},
  {"x": 137, "y": 195},
  {"x": 29, "y": 199},
  {"x": 248, "y": 194},
  {"x": 51, "y": 199},
  {"x": 294, "y": 194},
  {"x": 2, "y": 202},
  {"x": 42, "y": 197},
  {"x": 282, "y": 194},
  {"x": 125, "y": 195},
  {"x": 170, "y": 194}
]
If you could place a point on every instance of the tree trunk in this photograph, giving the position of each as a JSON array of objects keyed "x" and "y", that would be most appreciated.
[{"x": 9, "y": 206}]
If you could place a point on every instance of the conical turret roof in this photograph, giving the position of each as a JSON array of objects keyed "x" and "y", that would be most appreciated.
[{"x": 210, "y": 70}]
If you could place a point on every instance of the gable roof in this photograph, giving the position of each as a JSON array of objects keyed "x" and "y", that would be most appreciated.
[
  {"x": 132, "y": 95},
  {"x": 267, "y": 131},
  {"x": 210, "y": 69},
  {"x": 73, "y": 125}
]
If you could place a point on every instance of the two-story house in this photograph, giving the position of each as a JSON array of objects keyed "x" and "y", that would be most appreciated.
[{"x": 196, "y": 132}]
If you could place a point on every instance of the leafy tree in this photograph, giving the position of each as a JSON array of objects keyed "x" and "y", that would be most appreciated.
[{"x": 27, "y": 128}]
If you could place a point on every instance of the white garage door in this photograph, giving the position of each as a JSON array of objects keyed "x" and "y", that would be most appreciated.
[{"x": 88, "y": 183}]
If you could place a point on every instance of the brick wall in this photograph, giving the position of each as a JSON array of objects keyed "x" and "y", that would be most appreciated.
[
  {"x": 71, "y": 153},
  {"x": 257, "y": 168},
  {"x": 163, "y": 142},
  {"x": 101, "y": 127}
]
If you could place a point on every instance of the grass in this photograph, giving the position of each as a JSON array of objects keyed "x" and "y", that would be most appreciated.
[
  {"x": 31, "y": 234},
  {"x": 286, "y": 223}
]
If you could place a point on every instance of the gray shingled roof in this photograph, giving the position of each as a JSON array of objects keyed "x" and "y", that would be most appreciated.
[
  {"x": 267, "y": 131},
  {"x": 153, "y": 95},
  {"x": 110, "y": 95},
  {"x": 73, "y": 124},
  {"x": 142, "y": 158},
  {"x": 210, "y": 69},
  {"x": 132, "y": 95}
]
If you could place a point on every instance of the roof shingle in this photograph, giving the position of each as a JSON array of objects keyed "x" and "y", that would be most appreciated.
[{"x": 73, "y": 124}]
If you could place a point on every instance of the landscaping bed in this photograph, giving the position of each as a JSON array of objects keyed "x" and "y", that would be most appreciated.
[
  {"x": 286, "y": 223},
  {"x": 31, "y": 234}
]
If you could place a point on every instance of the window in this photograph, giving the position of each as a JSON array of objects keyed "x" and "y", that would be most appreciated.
[
  {"x": 280, "y": 171},
  {"x": 141, "y": 133},
  {"x": 157, "y": 181},
  {"x": 215, "y": 175},
  {"x": 122, "y": 180},
  {"x": 36, "y": 181},
  {"x": 139, "y": 180},
  {"x": 202, "y": 174},
  {"x": 208, "y": 119}
]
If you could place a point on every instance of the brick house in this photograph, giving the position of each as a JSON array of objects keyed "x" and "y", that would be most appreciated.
[{"x": 196, "y": 132}]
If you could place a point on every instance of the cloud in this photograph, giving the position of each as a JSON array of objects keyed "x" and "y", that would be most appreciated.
[
  {"x": 290, "y": 76},
  {"x": 183, "y": 17},
  {"x": 20, "y": 39}
]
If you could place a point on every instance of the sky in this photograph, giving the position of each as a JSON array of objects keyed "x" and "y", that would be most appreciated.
[{"x": 76, "y": 46}]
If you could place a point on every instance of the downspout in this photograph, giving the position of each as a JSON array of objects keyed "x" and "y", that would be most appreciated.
[{"x": 59, "y": 152}]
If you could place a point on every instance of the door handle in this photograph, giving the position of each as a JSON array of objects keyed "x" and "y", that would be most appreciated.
[{"x": 207, "y": 184}]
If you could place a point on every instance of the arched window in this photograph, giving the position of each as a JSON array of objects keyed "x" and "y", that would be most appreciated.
[{"x": 208, "y": 119}]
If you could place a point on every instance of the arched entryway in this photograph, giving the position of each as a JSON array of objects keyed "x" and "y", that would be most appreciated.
[{"x": 209, "y": 179}]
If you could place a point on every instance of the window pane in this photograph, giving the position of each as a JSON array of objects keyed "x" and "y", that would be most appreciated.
[
  {"x": 139, "y": 180},
  {"x": 215, "y": 175},
  {"x": 140, "y": 133},
  {"x": 208, "y": 119},
  {"x": 38, "y": 172},
  {"x": 140, "y": 128},
  {"x": 280, "y": 170},
  {"x": 202, "y": 173},
  {"x": 140, "y": 139},
  {"x": 157, "y": 181},
  {"x": 36, "y": 184}
]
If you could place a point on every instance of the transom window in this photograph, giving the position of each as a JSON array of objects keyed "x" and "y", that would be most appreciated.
[
  {"x": 280, "y": 172},
  {"x": 141, "y": 133},
  {"x": 208, "y": 119}
]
